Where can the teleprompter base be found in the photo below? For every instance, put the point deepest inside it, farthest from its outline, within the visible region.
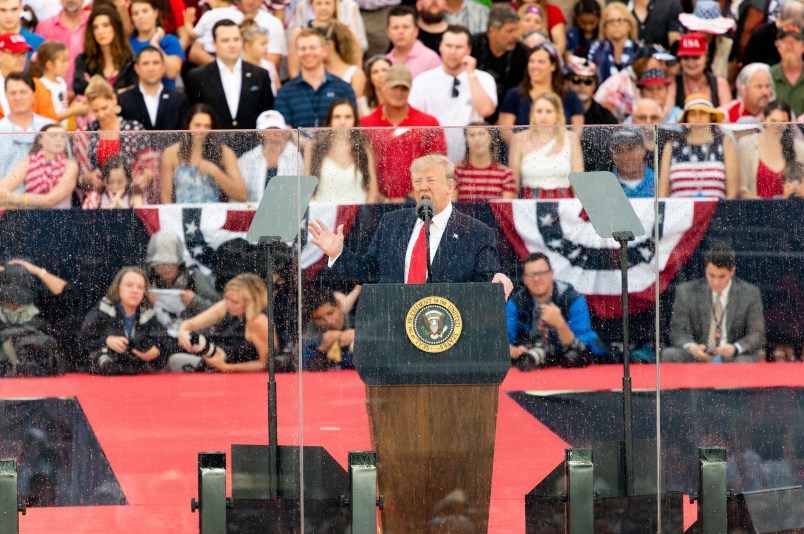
(326, 484)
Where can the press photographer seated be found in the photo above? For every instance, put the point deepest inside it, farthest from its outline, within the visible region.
(548, 321)
(237, 326)
(121, 334)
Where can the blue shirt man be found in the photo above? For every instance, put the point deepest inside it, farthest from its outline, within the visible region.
(304, 100)
(549, 321)
(628, 155)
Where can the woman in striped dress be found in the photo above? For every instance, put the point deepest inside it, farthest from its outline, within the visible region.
(704, 162)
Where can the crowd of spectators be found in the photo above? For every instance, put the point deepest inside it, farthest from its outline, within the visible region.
(688, 99)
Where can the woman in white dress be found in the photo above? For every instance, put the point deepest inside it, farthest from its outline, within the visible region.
(342, 159)
(543, 156)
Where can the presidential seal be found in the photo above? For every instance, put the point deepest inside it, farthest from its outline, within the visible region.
(433, 324)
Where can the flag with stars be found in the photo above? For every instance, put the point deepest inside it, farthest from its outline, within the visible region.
(205, 227)
(561, 230)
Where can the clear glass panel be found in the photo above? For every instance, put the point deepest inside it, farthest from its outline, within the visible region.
(465, 438)
(470, 438)
(729, 309)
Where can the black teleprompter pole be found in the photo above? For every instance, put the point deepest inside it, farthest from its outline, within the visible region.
(628, 435)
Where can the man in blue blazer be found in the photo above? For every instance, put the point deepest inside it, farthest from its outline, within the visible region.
(462, 249)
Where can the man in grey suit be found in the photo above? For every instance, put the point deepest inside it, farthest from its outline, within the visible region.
(718, 318)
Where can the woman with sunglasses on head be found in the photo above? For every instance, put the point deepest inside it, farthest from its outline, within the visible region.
(343, 56)
(374, 70)
(618, 47)
(543, 74)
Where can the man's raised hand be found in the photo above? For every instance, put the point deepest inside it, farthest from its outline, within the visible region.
(330, 243)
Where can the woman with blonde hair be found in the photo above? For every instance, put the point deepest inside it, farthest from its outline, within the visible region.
(318, 14)
(108, 135)
(619, 46)
(344, 56)
(543, 156)
(236, 331)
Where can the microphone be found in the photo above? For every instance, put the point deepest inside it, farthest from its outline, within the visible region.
(425, 209)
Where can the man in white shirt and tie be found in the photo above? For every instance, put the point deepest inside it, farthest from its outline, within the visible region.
(718, 318)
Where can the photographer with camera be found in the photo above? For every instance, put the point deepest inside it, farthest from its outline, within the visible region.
(121, 334)
(236, 331)
(548, 321)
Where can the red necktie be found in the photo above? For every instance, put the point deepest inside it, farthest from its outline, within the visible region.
(417, 272)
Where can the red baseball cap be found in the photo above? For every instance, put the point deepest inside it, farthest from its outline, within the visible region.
(14, 43)
(692, 44)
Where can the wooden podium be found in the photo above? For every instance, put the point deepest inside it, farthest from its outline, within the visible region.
(432, 357)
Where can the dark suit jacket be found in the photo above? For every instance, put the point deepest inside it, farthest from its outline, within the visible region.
(203, 84)
(169, 114)
(467, 251)
(692, 313)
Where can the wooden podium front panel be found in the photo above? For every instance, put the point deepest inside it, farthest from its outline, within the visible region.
(435, 451)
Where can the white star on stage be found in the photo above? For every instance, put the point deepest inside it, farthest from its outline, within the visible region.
(191, 228)
(574, 254)
(645, 251)
(197, 250)
(546, 220)
(554, 243)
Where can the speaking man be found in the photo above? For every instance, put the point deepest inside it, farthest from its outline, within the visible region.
(462, 249)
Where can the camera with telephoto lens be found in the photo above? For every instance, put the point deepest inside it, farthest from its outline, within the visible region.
(200, 345)
(536, 356)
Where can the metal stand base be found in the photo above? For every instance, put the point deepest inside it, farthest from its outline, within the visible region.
(10, 505)
(363, 499)
(212, 501)
(712, 491)
(580, 490)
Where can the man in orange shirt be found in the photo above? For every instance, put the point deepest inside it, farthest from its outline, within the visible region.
(13, 53)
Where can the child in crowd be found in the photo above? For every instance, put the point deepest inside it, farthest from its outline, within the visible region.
(221, 9)
(531, 19)
(52, 62)
(480, 175)
(586, 17)
(44, 179)
(255, 49)
(116, 178)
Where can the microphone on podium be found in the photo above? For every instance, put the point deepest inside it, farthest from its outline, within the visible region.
(424, 210)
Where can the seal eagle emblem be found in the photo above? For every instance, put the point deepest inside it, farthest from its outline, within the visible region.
(433, 324)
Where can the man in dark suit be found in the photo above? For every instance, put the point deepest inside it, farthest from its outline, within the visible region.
(149, 102)
(718, 318)
(238, 91)
(462, 249)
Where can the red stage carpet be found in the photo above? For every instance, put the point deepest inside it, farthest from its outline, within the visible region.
(152, 427)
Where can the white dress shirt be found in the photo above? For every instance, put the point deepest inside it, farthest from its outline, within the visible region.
(232, 81)
(437, 227)
(152, 102)
(439, 224)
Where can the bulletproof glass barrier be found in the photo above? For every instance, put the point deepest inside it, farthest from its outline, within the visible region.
(432, 406)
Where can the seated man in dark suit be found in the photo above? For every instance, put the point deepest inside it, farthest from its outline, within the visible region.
(462, 249)
(149, 102)
(238, 91)
(718, 318)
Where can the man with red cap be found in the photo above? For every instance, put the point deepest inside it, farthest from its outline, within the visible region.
(695, 77)
(13, 53)
(653, 84)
